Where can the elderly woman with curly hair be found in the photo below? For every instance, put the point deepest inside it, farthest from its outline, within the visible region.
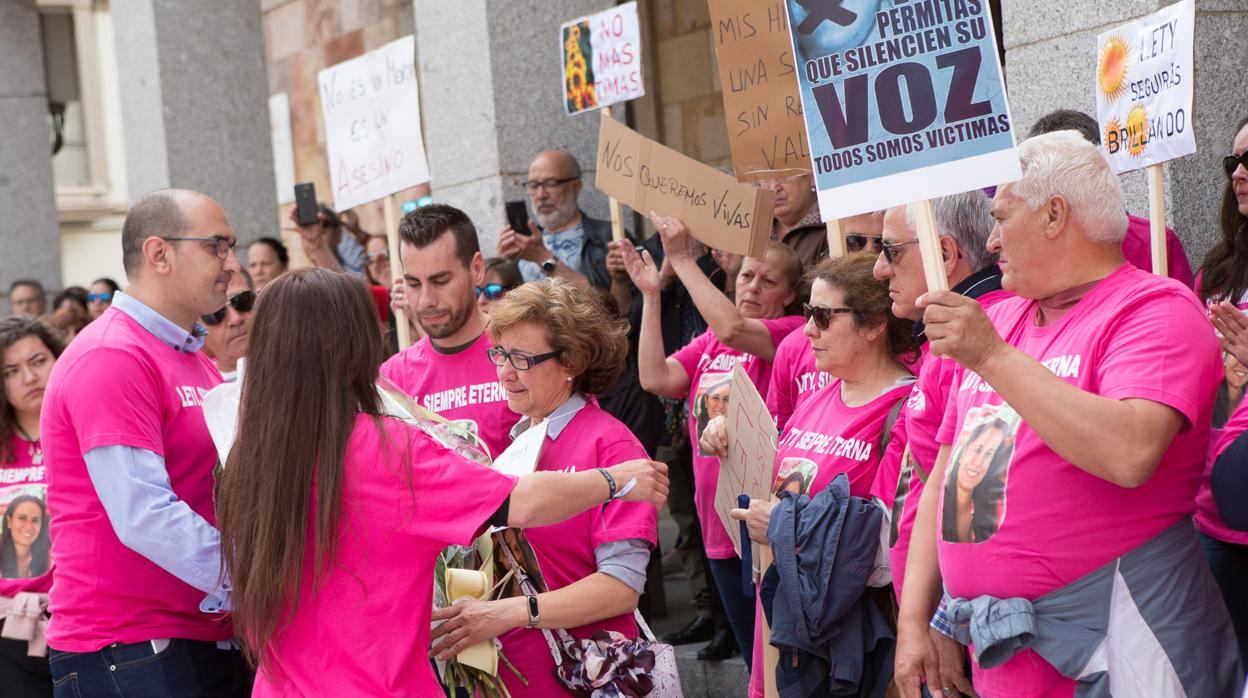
(555, 349)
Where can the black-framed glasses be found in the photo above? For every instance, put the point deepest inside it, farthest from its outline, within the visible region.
(1232, 162)
(856, 242)
(519, 360)
(241, 302)
(102, 297)
(492, 291)
(822, 314)
(892, 250)
(548, 184)
(222, 246)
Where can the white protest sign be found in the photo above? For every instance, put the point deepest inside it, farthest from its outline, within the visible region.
(601, 59)
(1144, 76)
(520, 458)
(283, 148)
(372, 124)
(751, 455)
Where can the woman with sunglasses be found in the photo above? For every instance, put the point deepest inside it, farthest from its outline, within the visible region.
(501, 275)
(332, 514)
(856, 339)
(226, 342)
(555, 349)
(101, 296)
(28, 351)
(744, 332)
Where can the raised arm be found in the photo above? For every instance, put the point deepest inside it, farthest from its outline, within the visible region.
(659, 374)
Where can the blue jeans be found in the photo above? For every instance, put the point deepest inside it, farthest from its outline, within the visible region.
(737, 606)
(136, 670)
(1229, 563)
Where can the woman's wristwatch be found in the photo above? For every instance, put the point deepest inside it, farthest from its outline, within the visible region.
(533, 615)
(548, 267)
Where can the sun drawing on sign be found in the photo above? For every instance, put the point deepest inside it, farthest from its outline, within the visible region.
(1137, 130)
(1111, 68)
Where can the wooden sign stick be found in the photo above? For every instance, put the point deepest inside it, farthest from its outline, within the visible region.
(1157, 219)
(836, 239)
(403, 331)
(617, 216)
(929, 245)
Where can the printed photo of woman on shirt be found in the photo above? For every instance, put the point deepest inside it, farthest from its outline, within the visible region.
(711, 400)
(974, 502)
(795, 475)
(24, 541)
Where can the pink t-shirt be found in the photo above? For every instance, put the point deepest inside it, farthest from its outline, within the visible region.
(827, 438)
(462, 387)
(924, 411)
(1208, 519)
(1137, 248)
(404, 499)
(24, 477)
(793, 376)
(118, 385)
(565, 551)
(709, 363)
(1033, 522)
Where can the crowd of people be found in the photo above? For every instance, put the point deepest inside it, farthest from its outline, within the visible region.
(1079, 418)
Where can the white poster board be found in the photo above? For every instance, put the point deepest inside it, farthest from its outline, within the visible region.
(1144, 75)
(372, 124)
(600, 58)
(283, 147)
(752, 440)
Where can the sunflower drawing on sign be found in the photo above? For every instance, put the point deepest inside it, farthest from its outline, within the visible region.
(578, 76)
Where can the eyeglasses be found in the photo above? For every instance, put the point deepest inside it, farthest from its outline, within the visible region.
(519, 360)
(241, 302)
(492, 291)
(548, 184)
(372, 258)
(855, 242)
(891, 250)
(821, 314)
(222, 245)
(1230, 163)
(102, 297)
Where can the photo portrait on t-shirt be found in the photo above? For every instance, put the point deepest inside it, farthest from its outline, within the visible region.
(25, 546)
(975, 482)
(795, 476)
(711, 401)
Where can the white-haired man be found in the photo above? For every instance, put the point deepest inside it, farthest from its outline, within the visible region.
(1072, 445)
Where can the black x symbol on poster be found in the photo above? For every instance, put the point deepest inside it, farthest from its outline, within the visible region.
(820, 11)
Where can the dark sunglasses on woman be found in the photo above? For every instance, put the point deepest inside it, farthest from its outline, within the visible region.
(1232, 162)
(492, 291)
(241, 302)
(103, 297)
(821, 314)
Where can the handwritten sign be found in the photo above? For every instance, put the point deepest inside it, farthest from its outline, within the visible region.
(751, 456)
(901, 105)
(372, 124)
(649, 176)
(601, 59)
(1144, 77)
(762, 103)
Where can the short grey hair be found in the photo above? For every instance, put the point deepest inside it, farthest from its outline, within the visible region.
(1063, 163)
(967, 218)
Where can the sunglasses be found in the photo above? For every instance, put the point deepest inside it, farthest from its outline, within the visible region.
(892, 251)
(519, 360)
(241, 302)
(855, 242)
(1230, 163)
(93, 297)
(492, 291)
(821, 314)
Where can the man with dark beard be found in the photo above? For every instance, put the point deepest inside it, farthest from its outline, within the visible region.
(448, 371)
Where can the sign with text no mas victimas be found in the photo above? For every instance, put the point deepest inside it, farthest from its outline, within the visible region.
(902, 102)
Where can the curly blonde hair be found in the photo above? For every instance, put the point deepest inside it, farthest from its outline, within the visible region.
(592, 345)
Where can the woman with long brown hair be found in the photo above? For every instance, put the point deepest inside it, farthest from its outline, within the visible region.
(332, 514)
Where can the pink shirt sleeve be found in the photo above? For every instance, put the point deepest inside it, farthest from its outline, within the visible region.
(454, 496)
(781, 327)
(116, 379)
(780, 388)
(689, 355)
(623, 520)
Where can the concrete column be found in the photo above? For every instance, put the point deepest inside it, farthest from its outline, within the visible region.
(194, 98)
(30, 236)
(490, 91)
(1050, 61)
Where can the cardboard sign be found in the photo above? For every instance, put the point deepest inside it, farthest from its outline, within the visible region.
(1144, 76)
(649, 176)
(601, 59)
(372, 124)
(752, 439)
(761, 101)
(901, 105)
